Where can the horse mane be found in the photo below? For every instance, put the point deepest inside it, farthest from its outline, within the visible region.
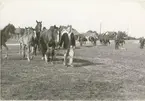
(5, 28)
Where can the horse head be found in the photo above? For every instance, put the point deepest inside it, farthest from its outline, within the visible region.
(55, 33)
(38, 26)
(12, 28)
(9, 30)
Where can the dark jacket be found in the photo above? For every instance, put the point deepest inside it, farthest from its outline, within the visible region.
(66, 42)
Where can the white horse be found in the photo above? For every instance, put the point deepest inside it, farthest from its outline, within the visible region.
(28, 43)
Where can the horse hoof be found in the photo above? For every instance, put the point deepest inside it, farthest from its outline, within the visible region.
(64, 64)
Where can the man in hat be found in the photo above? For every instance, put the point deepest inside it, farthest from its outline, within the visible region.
(68, 41)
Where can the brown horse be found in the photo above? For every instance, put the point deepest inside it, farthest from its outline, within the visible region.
(93, 39)
(6, 33)
(28, 43)
(38, 28)
(48, 42)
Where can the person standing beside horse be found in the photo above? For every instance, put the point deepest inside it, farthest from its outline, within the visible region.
(142, 42)
(68, 42)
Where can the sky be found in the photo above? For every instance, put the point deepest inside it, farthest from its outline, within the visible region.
(83, 15)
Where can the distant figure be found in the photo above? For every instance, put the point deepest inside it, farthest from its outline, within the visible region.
(119, 39)
(142, 42)
(68, 42)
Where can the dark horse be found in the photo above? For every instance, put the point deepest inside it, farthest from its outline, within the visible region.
(48, 42)
(93, 40)
(5, 34)
(142, 43)
(38, 31)
(104, 39)
(119, 41)
(82, 39)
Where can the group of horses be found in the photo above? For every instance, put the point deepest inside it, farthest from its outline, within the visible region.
(48, 40)
(35, 39)
(103, 38)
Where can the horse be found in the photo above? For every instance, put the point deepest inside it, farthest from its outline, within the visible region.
(82, 39)
(142, 43)
(28, 43)
(48, 42)
(38, 31)
(104, 39)
(93, 40)
(67, 39)
(6, 33)
(119, 41)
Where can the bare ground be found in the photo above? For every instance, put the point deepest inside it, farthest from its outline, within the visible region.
(99, 73)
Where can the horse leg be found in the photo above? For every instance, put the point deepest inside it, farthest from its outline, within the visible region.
(20, 49)
(35, 49)
(52, 53)
(23, 51)
(116, 45)
(28, 53)
(43, 50)
(32, 52)
(43, 54)
(6, 56)
(47, 54)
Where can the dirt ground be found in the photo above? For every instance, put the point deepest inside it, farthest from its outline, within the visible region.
(99, 73)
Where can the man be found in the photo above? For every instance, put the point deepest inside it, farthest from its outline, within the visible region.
(142, 42)
(68, 41)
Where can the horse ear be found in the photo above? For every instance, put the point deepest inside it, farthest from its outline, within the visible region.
(55, 26)
(36, 21)
(41, 22)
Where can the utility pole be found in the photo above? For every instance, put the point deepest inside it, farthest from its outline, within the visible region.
(100, 27)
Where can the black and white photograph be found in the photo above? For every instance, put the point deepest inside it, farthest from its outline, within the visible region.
(72, 50)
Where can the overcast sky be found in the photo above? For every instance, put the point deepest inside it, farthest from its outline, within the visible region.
(83, 15)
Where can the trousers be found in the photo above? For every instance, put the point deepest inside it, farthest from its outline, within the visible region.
(68, 53)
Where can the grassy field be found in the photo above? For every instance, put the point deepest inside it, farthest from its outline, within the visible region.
(99, 73)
